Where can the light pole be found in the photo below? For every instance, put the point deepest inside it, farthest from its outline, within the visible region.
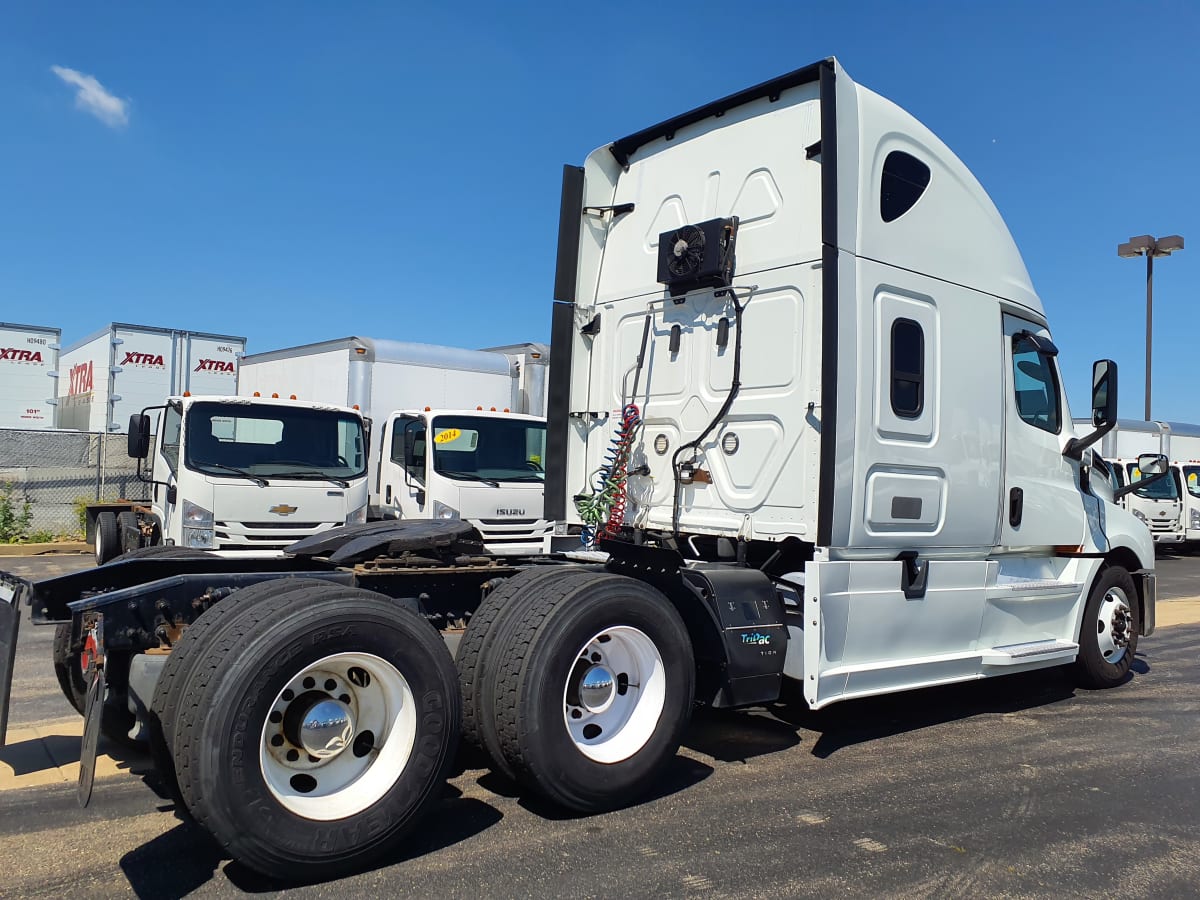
(1149, 247)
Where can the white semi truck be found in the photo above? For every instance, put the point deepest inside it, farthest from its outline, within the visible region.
(806, 413)
(235, 475)
(456, 434)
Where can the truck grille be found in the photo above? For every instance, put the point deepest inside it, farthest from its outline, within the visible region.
(264, 535)
(512, 536)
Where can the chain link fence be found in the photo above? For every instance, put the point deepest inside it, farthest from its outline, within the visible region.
(47, 476)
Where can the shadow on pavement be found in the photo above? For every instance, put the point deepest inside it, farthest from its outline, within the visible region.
(679, 775)
(739, 735)
(860, 721)
(174, 864)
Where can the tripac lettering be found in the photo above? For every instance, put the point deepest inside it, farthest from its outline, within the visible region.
(81, 378)
(143, 359)
(17, 355)
(214, 365)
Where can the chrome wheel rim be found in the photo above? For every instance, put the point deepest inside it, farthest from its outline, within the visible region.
(1114, 625)
(615, 694)
(337, 736)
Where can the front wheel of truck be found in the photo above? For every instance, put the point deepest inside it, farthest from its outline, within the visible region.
(328, 721)
(1108, 636)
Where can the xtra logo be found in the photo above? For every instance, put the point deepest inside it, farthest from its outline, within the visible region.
(214, 365)
(81, 378)
(143, 359)
(25, 356)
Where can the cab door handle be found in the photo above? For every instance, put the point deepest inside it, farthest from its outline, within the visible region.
(387, 495)
(1016, 503)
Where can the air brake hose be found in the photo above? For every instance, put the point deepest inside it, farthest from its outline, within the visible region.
(734, 387)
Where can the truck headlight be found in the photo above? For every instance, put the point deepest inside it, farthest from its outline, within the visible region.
(1141, 517)
(195, 516)
(442, 511)
(1195, 517)
(358, 516)
(197, 526)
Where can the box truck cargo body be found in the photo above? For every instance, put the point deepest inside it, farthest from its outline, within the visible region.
(380, 376)
(116, 372)
(486, 396)
(28, 354)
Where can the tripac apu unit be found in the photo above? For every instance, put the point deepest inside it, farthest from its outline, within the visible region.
(695, 256)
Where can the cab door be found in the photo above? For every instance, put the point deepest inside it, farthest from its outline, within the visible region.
(1042, 502)
(166, 466)
(402, 468)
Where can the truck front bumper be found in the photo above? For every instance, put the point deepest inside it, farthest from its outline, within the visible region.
(1149, 597)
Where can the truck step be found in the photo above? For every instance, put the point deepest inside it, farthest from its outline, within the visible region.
(1015, 654)
(1032, 590)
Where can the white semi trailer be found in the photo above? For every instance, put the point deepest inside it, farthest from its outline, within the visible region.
(109, 376)
(457, 434)
(28, 354)
(806, 409)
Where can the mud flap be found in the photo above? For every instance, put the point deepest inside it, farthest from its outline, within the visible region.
(10, 624)
(93, 711)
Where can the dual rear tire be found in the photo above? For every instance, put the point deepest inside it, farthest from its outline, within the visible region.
(309, 726)
(581, 686)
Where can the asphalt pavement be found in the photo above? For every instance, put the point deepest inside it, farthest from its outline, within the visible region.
(1017, 786)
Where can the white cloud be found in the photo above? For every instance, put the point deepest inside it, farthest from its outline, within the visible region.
(93, 98)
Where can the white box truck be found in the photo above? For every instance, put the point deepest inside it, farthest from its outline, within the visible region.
(1185, 458)
(28, 354)
(456, 433)
(237, 476)
(110, 375)
(1158, 505)
(792, 324)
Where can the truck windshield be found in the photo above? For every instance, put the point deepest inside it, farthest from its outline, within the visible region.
(1164, 489)
(481, 448)
(233, 440)
(1191, 478)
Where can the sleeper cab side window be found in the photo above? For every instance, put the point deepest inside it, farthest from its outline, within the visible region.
(1036, 385)
(904, 181)
(908, 369)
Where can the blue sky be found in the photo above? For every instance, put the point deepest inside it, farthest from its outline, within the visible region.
(295, 172)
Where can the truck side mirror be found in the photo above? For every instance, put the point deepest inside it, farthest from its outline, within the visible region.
(1104, 408)
(139, 436)
(1104, 392)
(1153, 466)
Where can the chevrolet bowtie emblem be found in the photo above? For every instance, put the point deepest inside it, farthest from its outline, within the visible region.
(283, 509)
